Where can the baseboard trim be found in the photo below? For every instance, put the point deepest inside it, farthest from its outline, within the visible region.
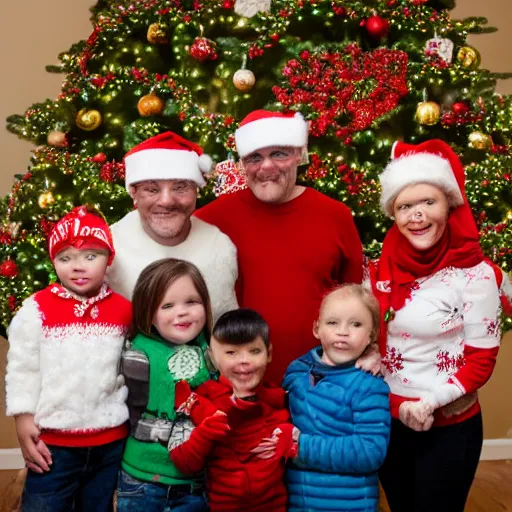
(11, 458)
(493, 449)
(496, 449)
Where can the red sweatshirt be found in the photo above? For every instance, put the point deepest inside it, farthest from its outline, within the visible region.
(289, 256)
(236, 479)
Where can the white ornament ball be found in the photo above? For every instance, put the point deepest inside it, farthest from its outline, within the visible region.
(244, 80)
(57, 139)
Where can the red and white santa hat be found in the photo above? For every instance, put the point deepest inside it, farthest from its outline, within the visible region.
(432, 162)
(82, 228)
(262, 129)
(166, 156)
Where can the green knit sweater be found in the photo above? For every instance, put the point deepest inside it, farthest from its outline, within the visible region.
(168, 364)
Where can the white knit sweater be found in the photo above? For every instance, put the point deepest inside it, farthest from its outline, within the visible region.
(63, 360)
(206, 247)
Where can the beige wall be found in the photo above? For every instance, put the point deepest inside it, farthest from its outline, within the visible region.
(32, 34)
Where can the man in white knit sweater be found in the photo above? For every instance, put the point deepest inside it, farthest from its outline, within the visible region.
(162, 176)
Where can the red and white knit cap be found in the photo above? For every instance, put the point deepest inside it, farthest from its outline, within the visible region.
(432, 162)
(262, 129)
(166, 156)
(81, 229)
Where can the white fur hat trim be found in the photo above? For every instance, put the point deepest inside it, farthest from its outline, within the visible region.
(271, 131)
(166, 164)
(411, 169)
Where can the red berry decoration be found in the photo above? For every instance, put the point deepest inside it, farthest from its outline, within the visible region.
(460, 108)
(339, 10)
(203, 49)
(99, 158)
(377, 27)
(12, 302)
(8, 268)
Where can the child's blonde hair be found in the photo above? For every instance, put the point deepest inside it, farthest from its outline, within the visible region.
(150, 289)
(367, 299)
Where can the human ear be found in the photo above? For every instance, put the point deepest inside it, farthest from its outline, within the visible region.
(212, 359)
(132, 191)
(315, 330)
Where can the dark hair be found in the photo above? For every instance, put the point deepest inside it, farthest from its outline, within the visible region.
(150, 289)
(241, 326)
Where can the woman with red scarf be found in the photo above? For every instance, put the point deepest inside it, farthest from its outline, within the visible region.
(440, 305)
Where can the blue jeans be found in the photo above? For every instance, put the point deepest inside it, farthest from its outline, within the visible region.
(80, 479)
(134, 495)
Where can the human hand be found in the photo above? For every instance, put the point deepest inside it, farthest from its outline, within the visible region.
(182, 394)
(190, 456)
(214, 427)
(187, 402)
(282, 443)
(35, 452)
(417, 415)
(370, 361)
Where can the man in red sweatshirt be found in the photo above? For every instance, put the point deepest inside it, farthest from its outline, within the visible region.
(294, 244)
(236, 417)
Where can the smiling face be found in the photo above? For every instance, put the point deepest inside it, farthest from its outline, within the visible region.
(243, 365)
(272, 172)
(181, 314)
(81, 271)
(421, 213)
(344, 328)
(165, 207)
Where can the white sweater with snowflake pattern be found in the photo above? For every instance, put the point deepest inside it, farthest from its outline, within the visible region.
(442, 345)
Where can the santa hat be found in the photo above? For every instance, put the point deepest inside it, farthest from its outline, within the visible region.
(432, 162)
(262, 129)
(82, 228)
(166, 156)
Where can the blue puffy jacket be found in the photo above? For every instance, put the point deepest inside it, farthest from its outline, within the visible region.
(343, 416)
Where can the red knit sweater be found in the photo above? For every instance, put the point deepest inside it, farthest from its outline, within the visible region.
(235, 478)
(289, 256)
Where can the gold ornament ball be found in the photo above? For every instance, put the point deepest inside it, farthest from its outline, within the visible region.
(56, 139)
(468, 57)
(88, 120)
(244, 80)
(479, 140)
(150, 105)
(428, 112)
(45, 200)
(156, 34)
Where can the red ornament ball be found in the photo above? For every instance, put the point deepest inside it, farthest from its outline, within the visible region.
(99, 158)
(8, 268)
(377, 27)
(203, 49)
(460, 107)
(339, 10)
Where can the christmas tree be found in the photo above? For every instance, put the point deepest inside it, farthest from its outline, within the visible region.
(363, 72)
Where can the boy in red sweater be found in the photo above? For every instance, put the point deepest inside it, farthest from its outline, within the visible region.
(240, 412)
(62, 381)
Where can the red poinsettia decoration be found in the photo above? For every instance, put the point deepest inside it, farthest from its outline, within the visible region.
(344, 92)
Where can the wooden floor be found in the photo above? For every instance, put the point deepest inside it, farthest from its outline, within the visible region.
(491, 491)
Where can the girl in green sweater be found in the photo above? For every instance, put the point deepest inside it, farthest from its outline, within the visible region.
(171, 322)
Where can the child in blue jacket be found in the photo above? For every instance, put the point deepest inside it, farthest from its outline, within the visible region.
(342, 412)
